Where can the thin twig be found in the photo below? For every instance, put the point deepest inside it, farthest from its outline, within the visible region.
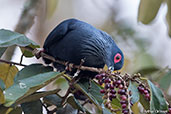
(21, 59)
(10, 62)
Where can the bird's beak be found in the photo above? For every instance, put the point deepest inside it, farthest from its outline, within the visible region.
(111, 68)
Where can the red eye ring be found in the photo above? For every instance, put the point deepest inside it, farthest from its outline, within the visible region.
(117, 58)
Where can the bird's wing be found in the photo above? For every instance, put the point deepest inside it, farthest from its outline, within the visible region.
(59, 32)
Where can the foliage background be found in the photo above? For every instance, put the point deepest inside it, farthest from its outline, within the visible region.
(145, 46)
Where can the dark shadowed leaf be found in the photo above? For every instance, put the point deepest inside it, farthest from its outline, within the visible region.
(31, 70)
(7, 73)
(53, 100)
(2, 50)
(148, 10)
(5, 110)
(157, 101)
(17, 110)
(135, 94)
(68, 109)
(75, 103)
(34, 107)
(27, 86)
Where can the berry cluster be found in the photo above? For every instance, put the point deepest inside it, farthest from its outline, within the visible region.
(113, 87)
(143, 90)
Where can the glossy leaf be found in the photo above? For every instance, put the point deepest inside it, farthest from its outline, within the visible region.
(168, 16)
(31, 70)
(134, 91)
(94, 90)
(7, 73)
(165, 81)
(34, 107)
(9, 38)
(148, 10)
(27, 86)
(157, 101)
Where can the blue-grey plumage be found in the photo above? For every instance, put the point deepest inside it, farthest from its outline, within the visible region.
(73, 40)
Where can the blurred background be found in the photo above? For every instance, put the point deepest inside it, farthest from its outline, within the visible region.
(147, 47)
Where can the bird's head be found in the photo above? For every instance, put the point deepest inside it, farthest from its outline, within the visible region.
(115, 58)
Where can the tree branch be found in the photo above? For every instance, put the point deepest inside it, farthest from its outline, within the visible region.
(39, 54)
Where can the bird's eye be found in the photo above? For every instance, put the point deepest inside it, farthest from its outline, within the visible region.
(117, 58)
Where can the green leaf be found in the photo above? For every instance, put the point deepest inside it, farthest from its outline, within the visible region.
(31, 70)
(2, 50)
(134, 91)
(37, 95)
(27, 86)
(157, 101)
(7, 73)
(168, 16)
(53, 100)
(165, 81)
(34, 107)
(148, 10)
(9, 38)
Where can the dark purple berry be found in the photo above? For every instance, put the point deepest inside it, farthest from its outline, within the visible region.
(145, 91)
(111, 86)
(107, 80)
(112, 91)
(107, 86)
(147, 96)
(98, 77)
(102, 91)
(121, 86)
(123, 97)
(118, 82)
(112, 96)
(124, 106)
(100, 82)
(123, 102)
(125, 111)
